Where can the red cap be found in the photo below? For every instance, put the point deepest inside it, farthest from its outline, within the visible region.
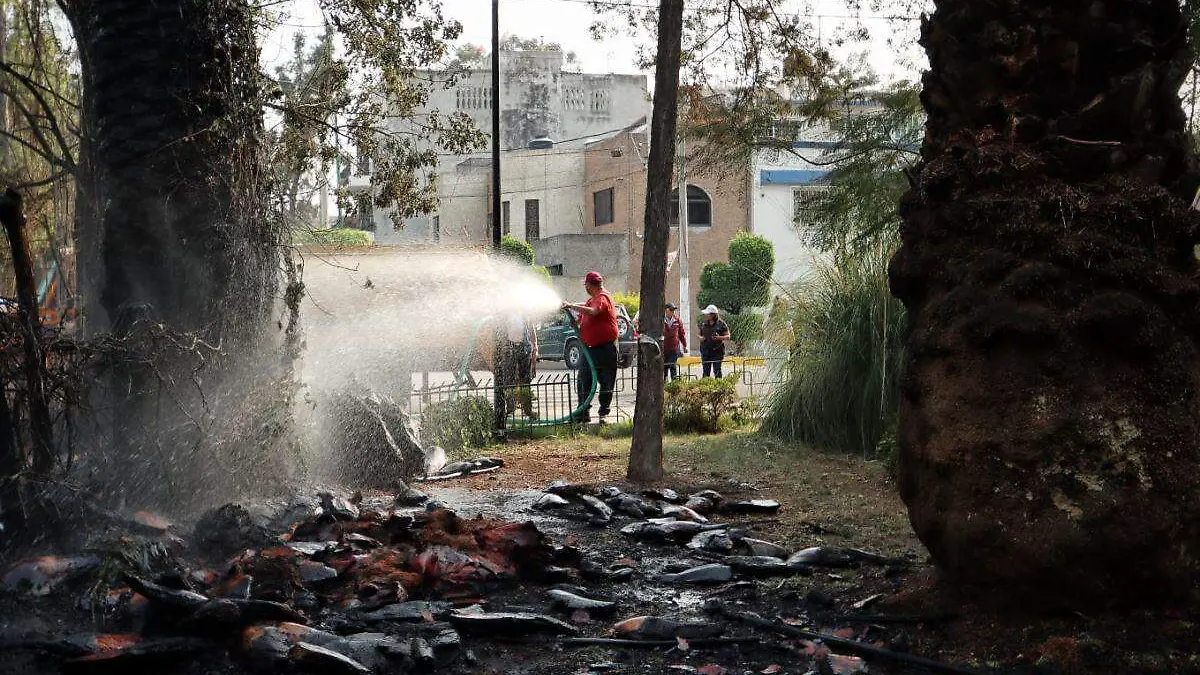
(593, 278)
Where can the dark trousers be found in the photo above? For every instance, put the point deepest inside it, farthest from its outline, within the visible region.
(712, 364)
(605, 358)
(514, 375)
(670, 365)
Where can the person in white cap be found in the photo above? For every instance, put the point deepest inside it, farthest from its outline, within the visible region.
(714, 333)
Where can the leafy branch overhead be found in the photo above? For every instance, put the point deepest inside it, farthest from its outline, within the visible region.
(856, 207)
(371, 78)
(765, 55)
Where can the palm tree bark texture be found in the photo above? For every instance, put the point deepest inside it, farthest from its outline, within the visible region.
(172, 220)
(1050, 407)
(172, 228)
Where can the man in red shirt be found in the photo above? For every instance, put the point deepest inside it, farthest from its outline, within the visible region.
(598, 332)
(674, 342)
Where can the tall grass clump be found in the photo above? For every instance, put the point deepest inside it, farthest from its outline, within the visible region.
(843, 333)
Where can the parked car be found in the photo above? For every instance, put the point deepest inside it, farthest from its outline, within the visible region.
(558, 340)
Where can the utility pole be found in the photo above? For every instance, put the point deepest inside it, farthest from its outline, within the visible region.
(685, 292)
(498, 398)
(496, 124)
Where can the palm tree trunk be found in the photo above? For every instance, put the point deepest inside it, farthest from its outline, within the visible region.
(171, 224)
(172, 127)
(1050, 408)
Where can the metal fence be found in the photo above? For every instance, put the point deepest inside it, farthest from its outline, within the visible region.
(551, 398)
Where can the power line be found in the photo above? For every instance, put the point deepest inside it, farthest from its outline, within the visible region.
(712, 10)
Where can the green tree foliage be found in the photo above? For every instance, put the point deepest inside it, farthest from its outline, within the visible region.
(631, 301)
(756, 49)
(366, 96)
(857, 208)
(740, 284)
(517, 249)
(743, 282)
(522, 252)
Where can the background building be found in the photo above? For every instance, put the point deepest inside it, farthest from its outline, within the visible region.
(539, 100)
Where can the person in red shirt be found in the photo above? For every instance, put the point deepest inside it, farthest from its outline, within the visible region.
(674, 342)
(598, 332)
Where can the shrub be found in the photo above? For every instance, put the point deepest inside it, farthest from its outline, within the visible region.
(342, 237)
(745, 281)
(841, 386)
(517, 249)
(888, 451)
(458, 423)
(699, 404)
(747, 412)
(744, 329)
(632, 302)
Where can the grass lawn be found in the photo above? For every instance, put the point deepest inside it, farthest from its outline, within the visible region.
(827, 498)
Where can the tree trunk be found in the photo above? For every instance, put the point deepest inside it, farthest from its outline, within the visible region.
(171, 212)
(645, 453)
(171, 226)
(1049, 409)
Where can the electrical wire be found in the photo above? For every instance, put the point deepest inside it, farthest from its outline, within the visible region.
(712, 10)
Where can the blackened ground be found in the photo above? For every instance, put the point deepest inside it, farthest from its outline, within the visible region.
(827, 500)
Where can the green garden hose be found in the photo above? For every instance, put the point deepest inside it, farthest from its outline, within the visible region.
(463, 376)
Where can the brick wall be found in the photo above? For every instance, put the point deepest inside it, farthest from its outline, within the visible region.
(626, 175)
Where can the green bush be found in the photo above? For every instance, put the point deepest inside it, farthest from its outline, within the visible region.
(343, 237)
(747, 412)
(744, 329)
(745, 281)
(888, 451)
(458, 423)
(699, 404)
(841, 389)
(517, 249)
(632, 302)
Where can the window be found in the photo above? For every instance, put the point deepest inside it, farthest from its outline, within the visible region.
(699, 207)
(504, 213)
(603, 203)
(803, 201)
(363, 163)
(437, 228)
(532, 224)
(601, 101)
(555, 270)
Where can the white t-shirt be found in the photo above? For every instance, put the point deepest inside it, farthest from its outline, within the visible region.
(516, 331)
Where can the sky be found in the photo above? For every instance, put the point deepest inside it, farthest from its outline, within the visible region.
(567, 22)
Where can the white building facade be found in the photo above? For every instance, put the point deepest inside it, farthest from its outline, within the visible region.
(539, 100)
(783, 186)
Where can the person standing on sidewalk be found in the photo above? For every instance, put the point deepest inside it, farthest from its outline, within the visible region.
(714, 333)
(598, 332)
(674, 342)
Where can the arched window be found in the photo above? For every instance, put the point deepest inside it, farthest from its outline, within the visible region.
(699, 207)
